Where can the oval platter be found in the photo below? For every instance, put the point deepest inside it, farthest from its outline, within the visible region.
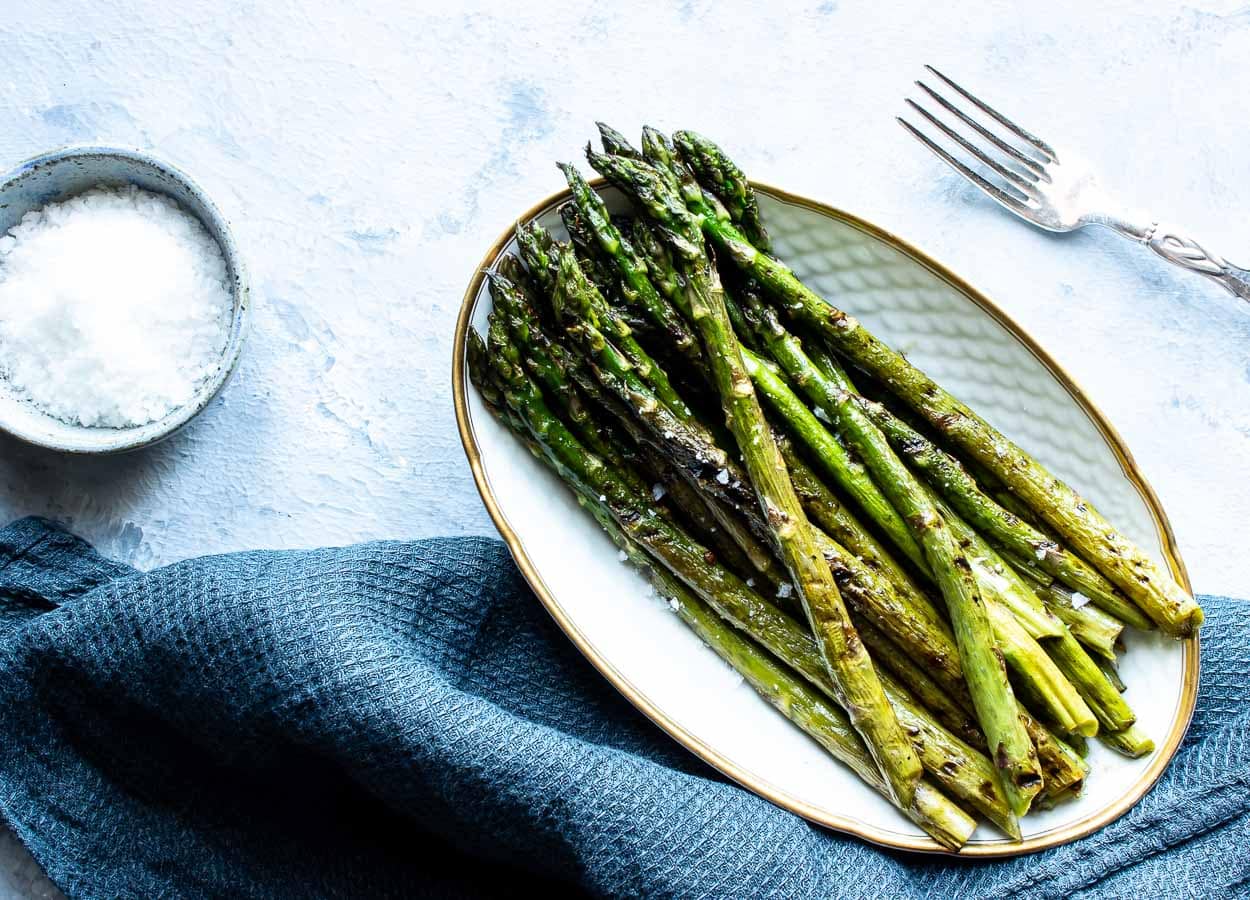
(958, 336)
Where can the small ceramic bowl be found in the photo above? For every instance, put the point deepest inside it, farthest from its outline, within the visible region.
(61, 174)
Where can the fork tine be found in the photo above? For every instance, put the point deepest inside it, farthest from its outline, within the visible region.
(1036, 142)
(1032, 165)
(997, 193)
(1015, 179)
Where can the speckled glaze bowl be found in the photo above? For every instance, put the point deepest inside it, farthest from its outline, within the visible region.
(61, 174)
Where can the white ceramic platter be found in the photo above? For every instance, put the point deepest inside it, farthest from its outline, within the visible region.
(961, 339)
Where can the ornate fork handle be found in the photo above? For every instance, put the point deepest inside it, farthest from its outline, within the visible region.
(1189, 254)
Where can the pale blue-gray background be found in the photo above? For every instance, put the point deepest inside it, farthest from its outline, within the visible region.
(368, 155)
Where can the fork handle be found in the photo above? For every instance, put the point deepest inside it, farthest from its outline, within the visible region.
(1189, 254)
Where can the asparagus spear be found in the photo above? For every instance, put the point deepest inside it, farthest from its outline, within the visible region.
(511, 268)
(660, 152)
(615, 142)
(845, 470)
(658, 261)
(767, 568)
(1079, 694)
(987, 481)
(729, 496)
(1061, 768)
(1099, 631)
(843, 525)
(1080, 674)
(824, 508)
(999, 580)
(956, 766)
(827, 385)
(702, 521)
(1014, 536)
(836, 520)
(1073, 658)
(943, 551)
(595, 309)
(593, 314)
(1108, 669)
(1101, 696)
(537, 250)
(576, 302)
(1043, 684)
(597, 267)
(881, 591)
(1091, 626)
(720, 175)
(1079, 743)
(843, 652)
(884, 596)
(660, 422)
(725, 521)
(1131, 742)
(548, 363)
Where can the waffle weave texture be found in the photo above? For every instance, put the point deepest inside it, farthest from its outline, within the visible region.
(403, 719)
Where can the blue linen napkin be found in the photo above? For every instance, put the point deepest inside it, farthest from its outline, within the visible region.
(404, 719)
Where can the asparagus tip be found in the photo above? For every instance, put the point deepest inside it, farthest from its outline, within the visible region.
(616, 143)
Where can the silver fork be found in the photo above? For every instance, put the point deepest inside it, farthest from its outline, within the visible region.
(1025, 174)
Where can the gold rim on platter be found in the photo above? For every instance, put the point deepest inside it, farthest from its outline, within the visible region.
(881, 836)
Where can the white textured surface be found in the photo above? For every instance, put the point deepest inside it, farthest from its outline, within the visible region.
(367, 160)
(975, 357)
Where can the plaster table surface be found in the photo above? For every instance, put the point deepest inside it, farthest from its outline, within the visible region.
(368, 156)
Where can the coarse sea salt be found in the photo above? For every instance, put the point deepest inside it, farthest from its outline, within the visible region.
(115, 307)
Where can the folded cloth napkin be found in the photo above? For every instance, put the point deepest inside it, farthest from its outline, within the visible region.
(404, 719)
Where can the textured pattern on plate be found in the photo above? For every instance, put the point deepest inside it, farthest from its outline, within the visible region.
(650, 655)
